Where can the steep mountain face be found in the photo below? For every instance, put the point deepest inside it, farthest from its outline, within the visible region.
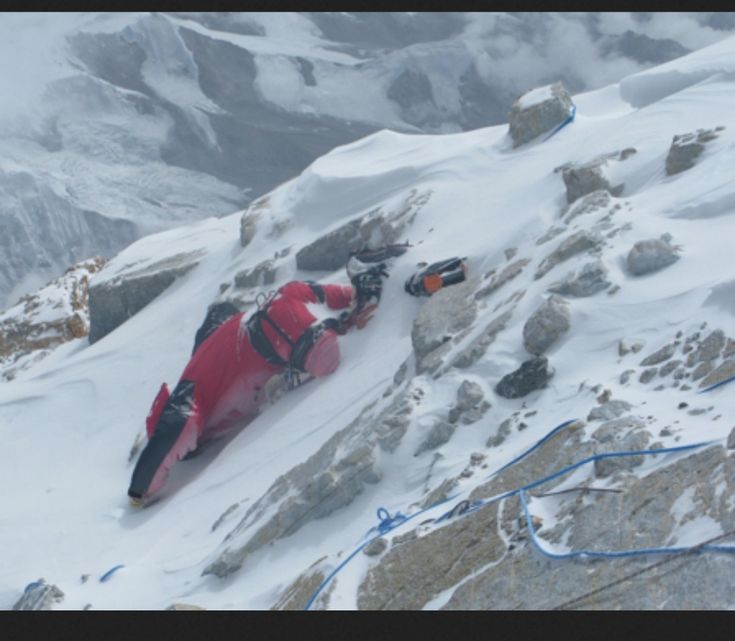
(136, 123)
(550, 433)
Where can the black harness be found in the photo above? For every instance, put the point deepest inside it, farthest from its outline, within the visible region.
(299, 348)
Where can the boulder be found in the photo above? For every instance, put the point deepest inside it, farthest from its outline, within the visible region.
(546, 325)
(438, 435)
(724, 371)
(114, 299)
(709, 349)
(648, 256)
(577, 243)
(441, 318)
(588, 177)
(660, 355)
(376, 228)
(608, 411)
(592, 278)
(498, 280)
(538, 111)
(686, 148)
(533, 374)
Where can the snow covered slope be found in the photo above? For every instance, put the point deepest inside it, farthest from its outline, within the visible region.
(115, 125)
(69, 422)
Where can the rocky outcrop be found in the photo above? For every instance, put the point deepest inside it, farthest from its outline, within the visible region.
(592, 278)
(546, 325)
(538, 111)
(586, 178)
(115, 298)
(686, 148)
(477, 347)
(532, 375)
(374, 229)
(594, 201)
(327, 481)
(578, 242)
(648, 256)
(39, 595)
(42, 321)
(445, 315)
(498, 280)
(262, 274)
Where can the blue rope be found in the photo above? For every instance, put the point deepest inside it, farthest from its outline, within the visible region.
(389, 523)
(110, 572)
(564, 123)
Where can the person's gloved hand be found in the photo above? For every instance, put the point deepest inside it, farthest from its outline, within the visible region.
(369, 285)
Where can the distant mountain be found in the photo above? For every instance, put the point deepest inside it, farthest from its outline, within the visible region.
(118, 125)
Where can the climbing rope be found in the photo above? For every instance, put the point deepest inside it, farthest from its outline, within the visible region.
(564, 123)
(388, 522)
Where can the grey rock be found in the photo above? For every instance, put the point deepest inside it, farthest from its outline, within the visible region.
(594, 201)
(610, 410)
(577, 243)
(297, 595)
(500, 434)
(439, 493)
(724, 371)
(498, 280)
(686, 148)
(438, 435)
(625, 376)
(546, 325)
(262, 274)
(615, 430)
(551, 233)
(669, 367)
(635, 440)
(528, 123)
(731, 440)
(648, 256)
(709, 349)
(469, 394)
(586, 178)
(532, 375)
(702, 370)
(115, 299)
(660, 355)
(443, 316)
(376, 547)
(376, 228)
(590, 280)
(476, 349)
(250, 219)
(648, 374)
(39, 595)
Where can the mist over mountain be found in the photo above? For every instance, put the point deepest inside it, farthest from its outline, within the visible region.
(113, 126)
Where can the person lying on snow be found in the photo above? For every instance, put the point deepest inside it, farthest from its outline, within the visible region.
(223, 385)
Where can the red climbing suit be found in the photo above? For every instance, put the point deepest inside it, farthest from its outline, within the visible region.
(223, 383)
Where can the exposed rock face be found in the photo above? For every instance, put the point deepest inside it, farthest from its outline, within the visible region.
(686, 148)
(442, 317)
(644, 517)
(610, 410)
(594, 201)
(498, 280)
(651, 255)
(262, 274)
(578, 242)
(588, 177)
(115, 299)
(709, 349)
(39, 595)
(538, 111)
(374, 229)
(722, 373)
(42, 321)
(660, 355)
(469, 355)
(546, 325)
(531, 375)
(327, 481)
(592, 278)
